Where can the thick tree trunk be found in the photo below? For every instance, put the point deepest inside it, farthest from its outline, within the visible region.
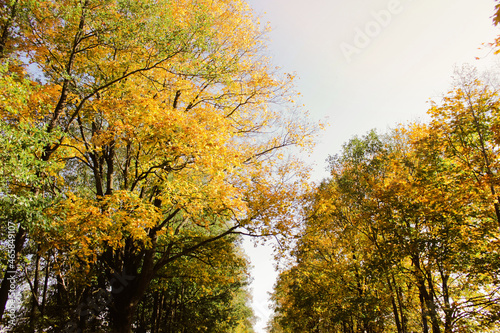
(123, 319)
(127, 290)
(122, 310)
(129, 286)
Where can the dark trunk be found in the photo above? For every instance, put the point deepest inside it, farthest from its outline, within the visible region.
(44, 292)
(432, 306)
(123, 319)
(423, 309)
(127, 290)
(122, 311)
(34, 295)
(404, 320)
(5, 34)
(394, 307)
(448, 311)
(422, 294)
(426, 299)
(137, 270)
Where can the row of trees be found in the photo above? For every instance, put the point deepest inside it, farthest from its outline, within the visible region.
(139, 140)
(405, 235)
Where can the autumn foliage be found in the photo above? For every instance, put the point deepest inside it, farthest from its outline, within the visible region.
(153, 131)
(404, 236)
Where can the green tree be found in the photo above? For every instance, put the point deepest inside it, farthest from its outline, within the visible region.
(26, 180)
(202, 292)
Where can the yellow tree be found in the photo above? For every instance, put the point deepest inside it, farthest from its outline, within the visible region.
(398, 239)
(173, 127)
(468, 123)
(442, 230)
(339, 281)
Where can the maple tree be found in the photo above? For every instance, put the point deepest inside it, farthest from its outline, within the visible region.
(167, 127)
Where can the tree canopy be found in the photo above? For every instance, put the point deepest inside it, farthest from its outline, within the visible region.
(404, 236)
(141, 137)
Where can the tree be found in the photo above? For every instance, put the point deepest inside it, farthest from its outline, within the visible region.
(25, 178)
(397, 239)
(202, 292)
(468, 122)
(166, 133)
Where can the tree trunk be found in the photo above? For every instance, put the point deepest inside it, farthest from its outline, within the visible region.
(394, 307)
(448, 311)
(422, 293)
(404, 320)
(45, 286)
(432, 307)
(426, 300)
(123, 320)
(34, 295)
(423, 309)
(122, 311)
(127, 290)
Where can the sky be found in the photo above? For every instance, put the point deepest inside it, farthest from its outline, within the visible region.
(365, 64)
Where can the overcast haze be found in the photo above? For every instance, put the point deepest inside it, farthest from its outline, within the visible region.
(366, 64)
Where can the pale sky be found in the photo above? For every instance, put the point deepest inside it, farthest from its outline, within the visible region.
(366, 64)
